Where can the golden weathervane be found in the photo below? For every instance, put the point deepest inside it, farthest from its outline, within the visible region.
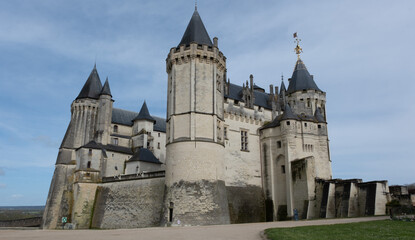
(298, 50)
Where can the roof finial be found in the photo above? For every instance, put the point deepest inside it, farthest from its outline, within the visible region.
(95, 65)
(282, 77)
(195, 5)
(298, 49)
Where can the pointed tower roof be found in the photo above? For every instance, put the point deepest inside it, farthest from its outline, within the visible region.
(106, 88)
(196, 32)
(92, 87)
(288, 113)
(318, 116)
(144, 114)
(301, 79)
(282, 88)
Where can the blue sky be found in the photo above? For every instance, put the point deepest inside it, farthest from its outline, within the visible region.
(360, 53)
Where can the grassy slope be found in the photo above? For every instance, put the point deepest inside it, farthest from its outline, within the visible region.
(378, 230)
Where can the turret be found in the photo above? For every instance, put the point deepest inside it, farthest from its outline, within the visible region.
(84, 108)
(104, 114)
(196, 74)
(142, 129)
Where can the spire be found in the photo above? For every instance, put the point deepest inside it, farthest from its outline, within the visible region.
(92, 87)
(144, 114)
(318, 116)
(282, 88)
(301, 79)
(196, 31)
(106, 88)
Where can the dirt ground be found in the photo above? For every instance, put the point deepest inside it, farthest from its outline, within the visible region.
(251, 231)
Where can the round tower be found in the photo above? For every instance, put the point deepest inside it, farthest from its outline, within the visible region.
(195, 188)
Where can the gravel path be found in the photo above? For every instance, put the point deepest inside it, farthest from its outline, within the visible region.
(249, 231)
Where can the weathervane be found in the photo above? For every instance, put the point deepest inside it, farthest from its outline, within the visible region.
(298, 49)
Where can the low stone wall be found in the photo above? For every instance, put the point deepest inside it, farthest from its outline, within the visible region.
(246, 204)
(129, 204)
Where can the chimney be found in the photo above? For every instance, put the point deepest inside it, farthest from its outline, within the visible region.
(251, 81)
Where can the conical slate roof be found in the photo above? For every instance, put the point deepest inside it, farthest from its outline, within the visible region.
(196, 32)
(106, 88)
(144, 114)
(288, 113)
(92, 87)
(319, 117)
(301, 79)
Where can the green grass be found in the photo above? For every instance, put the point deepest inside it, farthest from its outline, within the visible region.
(378, 230)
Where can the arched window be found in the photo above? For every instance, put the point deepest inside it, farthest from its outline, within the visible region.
(115, 128)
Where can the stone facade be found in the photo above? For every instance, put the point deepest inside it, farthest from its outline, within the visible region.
(224, 154)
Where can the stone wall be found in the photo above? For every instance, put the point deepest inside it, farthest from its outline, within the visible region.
(60, 197)
(200, 202)
(84, 196)
(246, 204)
(129, 204)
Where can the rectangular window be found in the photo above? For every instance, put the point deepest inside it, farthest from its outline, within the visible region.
(90, 152)
(279, 145)
(225, 132)
(319, 126)
(244, 140)
(288, 123)
(283, 168)
(305, 124)
(159, 134)
(114, 141)
(158, 145)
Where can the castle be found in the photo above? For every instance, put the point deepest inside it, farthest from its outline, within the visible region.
(224, 154)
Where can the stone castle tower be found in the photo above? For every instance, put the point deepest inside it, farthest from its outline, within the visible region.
(195, 187)
(298, 141)
(90, 124)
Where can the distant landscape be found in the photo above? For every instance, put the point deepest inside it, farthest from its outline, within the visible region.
(20, 212)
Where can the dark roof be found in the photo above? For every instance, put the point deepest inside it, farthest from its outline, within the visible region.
(92, 87)
(261, 98)
(114, 148)
(124, 117)
(256, 87)
(318, 116)
(196, 32)
(106, 88)
(301, 79)
(144, 155)
(288, 114)
(144, 114)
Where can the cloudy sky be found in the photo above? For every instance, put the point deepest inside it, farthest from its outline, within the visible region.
(360, 53)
